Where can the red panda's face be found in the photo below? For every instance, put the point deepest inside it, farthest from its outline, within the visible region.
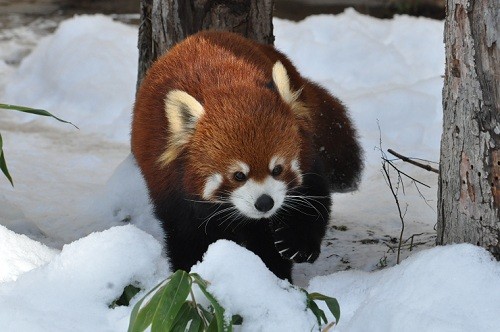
(242, 144)
(255, 197)
(255, 190)
(245, 151)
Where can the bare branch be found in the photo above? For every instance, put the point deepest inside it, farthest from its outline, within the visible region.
(413, 162)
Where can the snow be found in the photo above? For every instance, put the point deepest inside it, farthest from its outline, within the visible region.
(20, 254)
(243, 285)
(78, 226)
(69, 62)
(452, 288)
(73, 290)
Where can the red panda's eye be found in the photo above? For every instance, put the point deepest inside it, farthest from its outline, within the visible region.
(277, 170)
(239, 176)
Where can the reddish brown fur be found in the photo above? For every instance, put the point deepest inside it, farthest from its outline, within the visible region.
(335, 138)
(224, 129)
(219, 81)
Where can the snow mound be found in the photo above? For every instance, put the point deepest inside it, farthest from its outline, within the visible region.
(84, 73)
(124, 199)
(73, 291)
(243, 285)
(451, 288)
(20, 254)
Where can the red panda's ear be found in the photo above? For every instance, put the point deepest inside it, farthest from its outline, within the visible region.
(282, 83)
(182, 112)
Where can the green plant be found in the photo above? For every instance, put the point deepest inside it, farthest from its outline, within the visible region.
(124, 300)
(331, 303)
(3, 163)
(382, 262)
(168, 308)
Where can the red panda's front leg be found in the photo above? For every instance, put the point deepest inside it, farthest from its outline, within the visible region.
(301, 226)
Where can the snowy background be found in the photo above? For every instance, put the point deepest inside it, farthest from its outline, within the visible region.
(62, 261)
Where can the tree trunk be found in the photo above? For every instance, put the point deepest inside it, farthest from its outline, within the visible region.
(469, 193)
(166, 22)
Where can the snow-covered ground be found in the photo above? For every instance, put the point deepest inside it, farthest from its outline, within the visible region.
(69, 183)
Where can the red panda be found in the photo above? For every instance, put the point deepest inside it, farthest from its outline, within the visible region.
(234, 144)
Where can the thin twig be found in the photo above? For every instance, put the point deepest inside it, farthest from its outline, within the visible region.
(401, 215)
(413, 162)
(401, 172)
(391, 248)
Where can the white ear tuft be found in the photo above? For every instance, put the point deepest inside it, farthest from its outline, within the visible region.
(282, 82)
(182, 110)
(183, 113)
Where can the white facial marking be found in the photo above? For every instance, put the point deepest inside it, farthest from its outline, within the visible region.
(240, 166)
(276, 161)
(213, 183)
(295, 167)
(244, 197)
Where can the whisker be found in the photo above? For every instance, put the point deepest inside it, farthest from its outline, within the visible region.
(290, 206)
(304, 201)
(204, 201)
(214, 214)
(229, 217)
(311, 197)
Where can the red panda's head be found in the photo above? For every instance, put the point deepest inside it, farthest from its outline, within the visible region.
(242, 146)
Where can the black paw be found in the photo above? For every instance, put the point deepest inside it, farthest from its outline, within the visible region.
(293, 244)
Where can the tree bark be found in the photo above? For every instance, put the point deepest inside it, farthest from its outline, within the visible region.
(469, 193)
(166, 22)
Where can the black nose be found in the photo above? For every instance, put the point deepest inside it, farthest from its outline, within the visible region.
(264, 203)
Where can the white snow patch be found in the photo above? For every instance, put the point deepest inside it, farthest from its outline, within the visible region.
(124, 199)
(243, 285)
(451, 288)
(72, 291)
(85, 73)
(20, 254)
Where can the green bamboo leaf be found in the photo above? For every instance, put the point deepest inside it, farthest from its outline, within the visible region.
(196, 324)
(184, 316)
(331, 303)
(334, 307)
(205, 314)
(134, 325)
(222, 324)
(320, 314)
(173, 296)
(213, 326)
(148, 312)
(33, 111)
(139, 319)
(3, 163)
